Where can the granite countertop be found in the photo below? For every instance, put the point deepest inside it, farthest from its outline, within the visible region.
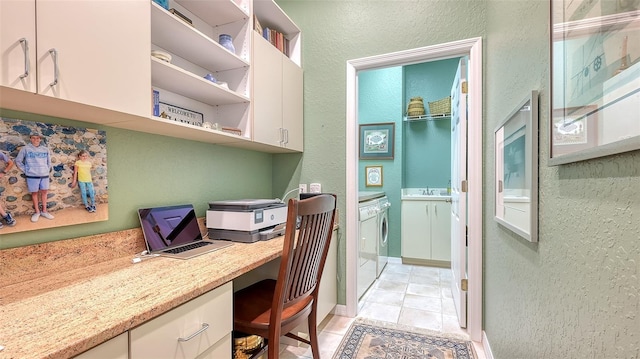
(57, 303)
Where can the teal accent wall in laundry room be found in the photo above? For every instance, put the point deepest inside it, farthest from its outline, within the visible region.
(427, 143)
(380, 101)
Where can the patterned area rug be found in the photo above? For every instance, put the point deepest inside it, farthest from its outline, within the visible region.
(368, 339)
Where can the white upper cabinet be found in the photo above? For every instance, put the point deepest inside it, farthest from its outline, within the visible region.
(18, 45)
(277, 81)
(92, 61)
(85, 52)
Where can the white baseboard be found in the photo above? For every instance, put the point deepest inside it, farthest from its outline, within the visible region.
(485, 345)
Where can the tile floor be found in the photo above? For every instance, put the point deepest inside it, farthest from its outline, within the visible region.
(405, 294)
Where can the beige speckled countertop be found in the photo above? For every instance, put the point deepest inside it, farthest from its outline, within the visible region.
(62, 298)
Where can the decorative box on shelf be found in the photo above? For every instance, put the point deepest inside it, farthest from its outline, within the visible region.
(179, 114)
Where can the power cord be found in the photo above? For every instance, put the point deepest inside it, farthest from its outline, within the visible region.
(286, 194)
(143, 256)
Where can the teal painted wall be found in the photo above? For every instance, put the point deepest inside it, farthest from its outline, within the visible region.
(427, 144)
(380, 101)
(150, 170)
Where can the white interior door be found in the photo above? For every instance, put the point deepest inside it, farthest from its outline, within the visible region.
(458, 193)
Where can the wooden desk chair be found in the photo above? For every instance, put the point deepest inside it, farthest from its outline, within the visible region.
(272, 308)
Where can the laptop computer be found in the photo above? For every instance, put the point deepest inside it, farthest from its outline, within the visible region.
(173, 231)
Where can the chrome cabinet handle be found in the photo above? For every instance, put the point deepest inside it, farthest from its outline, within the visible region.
(286, 136)
(25, 49)
(281, 135)
(205, 326)
(54, 55)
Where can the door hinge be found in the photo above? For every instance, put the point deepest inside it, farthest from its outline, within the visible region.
(463, 87)
(464, 284)
(463, 186)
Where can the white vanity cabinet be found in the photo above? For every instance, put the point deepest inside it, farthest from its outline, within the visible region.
(426, 231)
(199, 328)
(86, 52)
(277, 99)
(116, 348)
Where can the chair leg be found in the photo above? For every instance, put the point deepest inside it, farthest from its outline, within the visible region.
(313, 335)
(273, 348)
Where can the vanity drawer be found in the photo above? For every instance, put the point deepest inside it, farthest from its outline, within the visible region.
(188, 330)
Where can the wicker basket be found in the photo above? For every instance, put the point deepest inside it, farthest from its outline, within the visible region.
(441, 106)
(416, 107)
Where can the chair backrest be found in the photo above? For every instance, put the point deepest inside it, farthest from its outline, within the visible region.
(305, 250)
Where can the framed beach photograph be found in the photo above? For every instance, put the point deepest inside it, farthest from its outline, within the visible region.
(373, 176)
(595, 79)
(377, 141)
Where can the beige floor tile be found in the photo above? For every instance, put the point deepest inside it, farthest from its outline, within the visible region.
(431, 304)
(391, 286)
(424, 290)
(386, 297)
(377, 311)
(421, 319)
(337, 324)
(395, 277)
(424, 279)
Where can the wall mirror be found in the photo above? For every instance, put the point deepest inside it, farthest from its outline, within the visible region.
(595, 75)
(516, 161)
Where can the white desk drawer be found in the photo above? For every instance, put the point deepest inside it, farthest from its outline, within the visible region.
(188, 330)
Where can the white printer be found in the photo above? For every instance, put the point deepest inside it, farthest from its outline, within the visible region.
(246, 220)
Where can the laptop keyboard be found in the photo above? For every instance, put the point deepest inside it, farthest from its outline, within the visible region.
(187, 247)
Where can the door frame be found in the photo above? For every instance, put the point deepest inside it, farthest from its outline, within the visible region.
(473, 49)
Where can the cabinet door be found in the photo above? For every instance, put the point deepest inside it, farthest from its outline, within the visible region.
(267, 92)
(116, 348)
(292, 106)
(416, 229)
(441, 231)
(102, 49)
(18, 21)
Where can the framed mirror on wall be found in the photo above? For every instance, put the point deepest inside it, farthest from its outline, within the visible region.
(516, 162)
(595, 76)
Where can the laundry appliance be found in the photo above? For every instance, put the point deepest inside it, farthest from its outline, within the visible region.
(383, 234)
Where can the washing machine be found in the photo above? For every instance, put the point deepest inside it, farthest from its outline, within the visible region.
(367, 241)
(383, 234)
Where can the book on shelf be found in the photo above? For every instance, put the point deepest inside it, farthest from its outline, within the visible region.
(256, 24)
(276, 39)
(156, 103)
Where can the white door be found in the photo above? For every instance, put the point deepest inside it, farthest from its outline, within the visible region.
(458, 195)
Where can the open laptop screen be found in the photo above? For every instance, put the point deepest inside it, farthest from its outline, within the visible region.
(169, 226)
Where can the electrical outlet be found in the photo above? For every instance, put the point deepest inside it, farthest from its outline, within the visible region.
(302, 188)
(315, 188)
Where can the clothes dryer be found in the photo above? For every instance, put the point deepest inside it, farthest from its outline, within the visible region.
(367, 245)
(383, 234)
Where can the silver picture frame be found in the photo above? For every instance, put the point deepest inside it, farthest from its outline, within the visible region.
(516, 169)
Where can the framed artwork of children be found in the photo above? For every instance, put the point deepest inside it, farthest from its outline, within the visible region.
(51, 175)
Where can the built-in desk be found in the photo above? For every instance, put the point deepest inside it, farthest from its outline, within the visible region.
(62, 313)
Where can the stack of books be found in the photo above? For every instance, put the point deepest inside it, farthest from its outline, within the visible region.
(275, 37)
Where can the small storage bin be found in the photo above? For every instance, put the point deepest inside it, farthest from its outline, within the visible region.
(440, 107)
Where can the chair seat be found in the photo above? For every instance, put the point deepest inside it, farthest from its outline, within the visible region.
(252, 306)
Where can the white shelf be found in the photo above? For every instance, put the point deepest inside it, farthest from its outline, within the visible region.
(176, 36)
(271, 15)
(216, 12)
(445, 116)
(175, 79)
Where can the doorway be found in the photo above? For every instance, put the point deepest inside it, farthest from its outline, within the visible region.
(472, 48)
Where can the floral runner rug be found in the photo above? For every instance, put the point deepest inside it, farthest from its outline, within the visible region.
(369, 339)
